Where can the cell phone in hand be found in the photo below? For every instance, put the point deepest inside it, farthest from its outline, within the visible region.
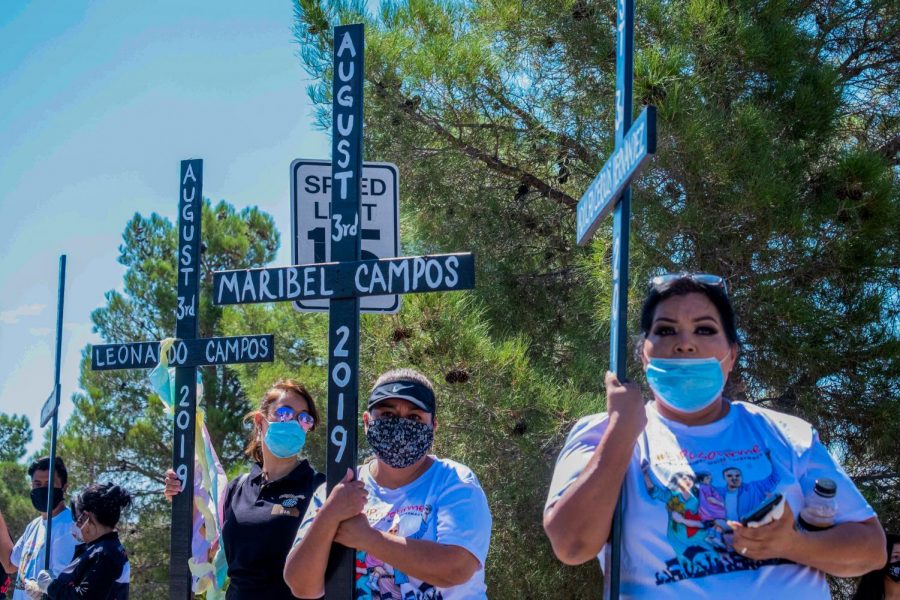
(762, 510)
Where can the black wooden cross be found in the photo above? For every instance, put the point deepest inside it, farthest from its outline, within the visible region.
(344, 281)
(186, 354)
(611, 190)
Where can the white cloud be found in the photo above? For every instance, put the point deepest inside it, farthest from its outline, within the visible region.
(12, 316)
(40, 331)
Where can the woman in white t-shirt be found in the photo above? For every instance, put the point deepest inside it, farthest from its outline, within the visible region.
(691, 445)
(420, 524)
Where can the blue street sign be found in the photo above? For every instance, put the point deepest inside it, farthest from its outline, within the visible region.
(626, 161)
(49, 407)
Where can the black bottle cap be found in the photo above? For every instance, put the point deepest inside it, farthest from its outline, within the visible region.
(826, 488)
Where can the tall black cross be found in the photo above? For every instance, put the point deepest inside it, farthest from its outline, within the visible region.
(611, 190)
(186, 354)
(344, 281)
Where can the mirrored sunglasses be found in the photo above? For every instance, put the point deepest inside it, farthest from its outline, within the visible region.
(701, 278)
(285, 414)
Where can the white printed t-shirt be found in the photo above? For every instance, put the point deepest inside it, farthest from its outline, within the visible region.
(445, 504)
(28, 553)
(676, 543)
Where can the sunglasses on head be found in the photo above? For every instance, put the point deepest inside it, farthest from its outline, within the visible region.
(701, 278)
(285, 414)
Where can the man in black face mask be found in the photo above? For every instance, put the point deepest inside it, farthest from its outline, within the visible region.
(25, 558)
(421, 524)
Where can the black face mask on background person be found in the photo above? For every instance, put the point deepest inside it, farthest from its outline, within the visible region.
(39, 498)
(893, 571)
(399, 442)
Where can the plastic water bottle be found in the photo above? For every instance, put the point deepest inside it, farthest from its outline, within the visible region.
(821, 506)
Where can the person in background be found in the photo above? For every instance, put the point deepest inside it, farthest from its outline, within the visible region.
(263, 508)
(100, 569)
(883, 584)
(688, 347)
(420, 524)
(25, 559)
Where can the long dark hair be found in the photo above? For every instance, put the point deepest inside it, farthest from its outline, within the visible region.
(871, 585)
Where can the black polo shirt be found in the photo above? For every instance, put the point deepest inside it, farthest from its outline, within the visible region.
(261, 520)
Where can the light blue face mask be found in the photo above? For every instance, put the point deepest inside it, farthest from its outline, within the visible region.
(687, 385)
(285, 440)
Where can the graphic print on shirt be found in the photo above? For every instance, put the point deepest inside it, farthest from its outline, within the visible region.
(287, 505)
(377, 580)
(29, 557)
(700, 493)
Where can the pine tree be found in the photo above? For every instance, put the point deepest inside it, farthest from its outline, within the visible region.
(15, 434)
(776, 168)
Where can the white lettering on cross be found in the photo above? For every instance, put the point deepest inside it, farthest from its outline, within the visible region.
(346, 44)
(345, 96)
(343, 147)
(189, 174)
(229, 282)
(341, 74)
(248, 287)
(361, 270)
(344, 130)
(400, 269)
(343, 176)
(293, 287)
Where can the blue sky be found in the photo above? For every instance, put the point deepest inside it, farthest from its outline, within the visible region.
(99, 102)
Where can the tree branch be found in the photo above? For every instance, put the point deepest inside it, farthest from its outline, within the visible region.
(881, 477)
(534, 123)
(890, 150)
(492, 162)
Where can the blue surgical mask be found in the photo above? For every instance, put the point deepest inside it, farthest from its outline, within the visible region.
(285, 440)
(687, 385)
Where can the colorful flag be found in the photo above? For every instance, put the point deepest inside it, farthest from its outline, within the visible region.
(207, 563)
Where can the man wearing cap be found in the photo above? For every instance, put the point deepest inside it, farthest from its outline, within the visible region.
(420, 524)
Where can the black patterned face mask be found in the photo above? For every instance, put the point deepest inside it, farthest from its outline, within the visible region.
(893, 571)
(399, 442)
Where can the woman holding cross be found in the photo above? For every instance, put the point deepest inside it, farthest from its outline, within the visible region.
(263, 507)
(749, 458)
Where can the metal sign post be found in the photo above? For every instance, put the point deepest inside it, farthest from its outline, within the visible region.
(50, 409)
(611, 190)
(186, 354)
(343, 281)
